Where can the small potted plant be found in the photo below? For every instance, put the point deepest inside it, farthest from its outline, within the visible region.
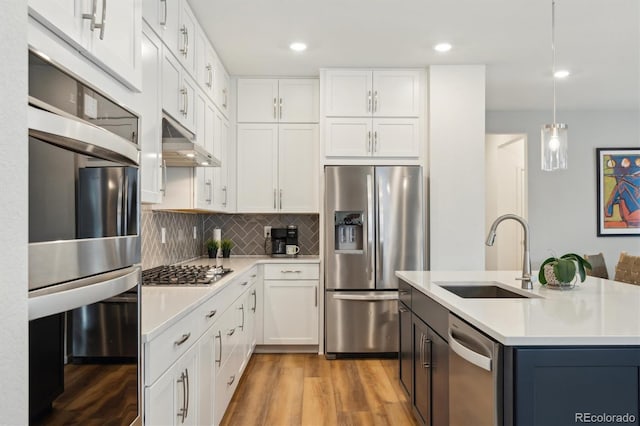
(212, 247)
(226, 245)
(560, 272)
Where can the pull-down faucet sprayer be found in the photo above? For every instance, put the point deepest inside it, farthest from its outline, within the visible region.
(526, 260)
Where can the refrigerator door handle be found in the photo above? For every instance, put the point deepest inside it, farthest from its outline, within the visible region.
(361, 297)
(370, 220)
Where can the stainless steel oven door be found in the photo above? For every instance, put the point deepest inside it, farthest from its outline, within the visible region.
(84, 206)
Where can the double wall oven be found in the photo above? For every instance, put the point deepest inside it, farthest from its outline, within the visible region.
(84, 253)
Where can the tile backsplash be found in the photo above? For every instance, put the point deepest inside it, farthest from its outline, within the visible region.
(245, 230)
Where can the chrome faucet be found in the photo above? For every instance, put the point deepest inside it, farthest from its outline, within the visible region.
(526, 260)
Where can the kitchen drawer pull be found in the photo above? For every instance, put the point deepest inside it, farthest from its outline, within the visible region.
(219, 337)
(291, 271)
(183, 339)
(242, 309)
(255, 301)
(164, 20)
(211, 313)
(186, 375)
(403, 310)
(244, 283)
(426, 363)
(231, 380)
(401, 292)
(182, 412)
(230, 332)
(253, 275)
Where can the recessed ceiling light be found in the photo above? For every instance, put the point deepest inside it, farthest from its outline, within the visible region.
(298, 46)
(442, 47)
(561, 74)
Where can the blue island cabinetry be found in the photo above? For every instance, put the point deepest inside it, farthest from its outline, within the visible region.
(572, 385)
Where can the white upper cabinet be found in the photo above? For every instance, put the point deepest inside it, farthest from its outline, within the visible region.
(107, 32)
(178, 91)
(379, 93)
(277, 168)
(163, 16)
(206, 64)
(150, 106)
(273, 101)
(373, 113)
(220, 150)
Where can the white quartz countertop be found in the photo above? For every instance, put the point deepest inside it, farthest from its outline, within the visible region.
(164, 305)
(595, 312)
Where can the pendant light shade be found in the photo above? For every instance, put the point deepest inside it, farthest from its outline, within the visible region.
(554, 139)
(554, 146)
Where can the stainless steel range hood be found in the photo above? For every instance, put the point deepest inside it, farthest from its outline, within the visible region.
(179, 148)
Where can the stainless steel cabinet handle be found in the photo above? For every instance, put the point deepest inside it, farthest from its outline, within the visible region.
(375, 141)
(275, 108)
(183, 339)
(375, 101)
(219, 337)
(403, 292)
(426, 363)
(369, 141)
(231, 380)
(211, 314)
(255, 301)
(224, 190)
(208, 183)
(185, 38)
(403, 310)
(183, 92)
(369, 101)
(186, 103)
(92, 16)
(230, 332)
(274, 199)
(183, 411)
(290, 271)
(186, 375)
(244, 283)
(316, 295)
(163, 189)
(242, 309)
(163, 22)
(224, 92)
(103, 24)
(209, 76)
(281, 199)
(280, 108)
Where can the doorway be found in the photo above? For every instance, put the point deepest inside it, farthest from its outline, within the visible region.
(506, 192)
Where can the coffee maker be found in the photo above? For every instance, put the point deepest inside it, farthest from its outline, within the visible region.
(283, 237)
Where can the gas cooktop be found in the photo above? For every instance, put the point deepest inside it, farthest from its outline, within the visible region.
(184, 275)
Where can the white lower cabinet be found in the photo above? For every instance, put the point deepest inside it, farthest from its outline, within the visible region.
(170, 399)
(291, 304)
(192, 385)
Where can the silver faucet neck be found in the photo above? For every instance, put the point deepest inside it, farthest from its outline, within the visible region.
(526, 258)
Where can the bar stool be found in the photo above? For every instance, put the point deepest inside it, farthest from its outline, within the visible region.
(628, 269)
(598, 266)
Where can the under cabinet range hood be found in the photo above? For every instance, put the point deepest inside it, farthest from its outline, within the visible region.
(179, 148)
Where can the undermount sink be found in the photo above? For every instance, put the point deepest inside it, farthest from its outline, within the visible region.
(481, 290)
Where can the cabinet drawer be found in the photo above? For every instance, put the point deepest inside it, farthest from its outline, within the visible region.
(431, 312)
(166, 348)
(291, 271)
(226, 383)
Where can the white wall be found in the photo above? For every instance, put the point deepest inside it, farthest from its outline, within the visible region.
(562, 204)
(456, 166)
(13, 214)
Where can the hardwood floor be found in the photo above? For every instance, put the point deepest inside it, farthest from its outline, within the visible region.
(307, 389)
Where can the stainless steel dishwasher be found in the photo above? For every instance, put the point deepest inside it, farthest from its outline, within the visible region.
(475, 376)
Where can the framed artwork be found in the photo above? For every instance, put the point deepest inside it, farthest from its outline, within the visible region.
(618, 171)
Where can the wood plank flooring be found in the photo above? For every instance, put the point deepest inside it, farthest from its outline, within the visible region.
(307, 389)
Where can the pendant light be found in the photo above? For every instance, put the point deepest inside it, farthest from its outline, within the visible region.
(554, 142)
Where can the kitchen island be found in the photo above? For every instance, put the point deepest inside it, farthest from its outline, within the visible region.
(552, 357)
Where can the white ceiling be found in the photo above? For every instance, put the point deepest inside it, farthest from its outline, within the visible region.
(598, 40)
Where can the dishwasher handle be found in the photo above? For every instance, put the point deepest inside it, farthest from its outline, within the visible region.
(467, 354)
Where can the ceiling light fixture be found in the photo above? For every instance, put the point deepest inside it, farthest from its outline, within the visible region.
(562, 74)
(442, 47)
(554, 143)
(298, 46)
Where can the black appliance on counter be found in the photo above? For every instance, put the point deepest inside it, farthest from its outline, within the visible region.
(281, 238)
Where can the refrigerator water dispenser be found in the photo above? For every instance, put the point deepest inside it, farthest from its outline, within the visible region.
(348, 231)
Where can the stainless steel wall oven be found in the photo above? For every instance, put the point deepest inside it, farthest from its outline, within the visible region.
(84, 253)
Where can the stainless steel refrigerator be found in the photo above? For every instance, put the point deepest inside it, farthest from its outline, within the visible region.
(374, 226)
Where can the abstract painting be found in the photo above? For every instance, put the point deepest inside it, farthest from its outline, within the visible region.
(618, 191)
